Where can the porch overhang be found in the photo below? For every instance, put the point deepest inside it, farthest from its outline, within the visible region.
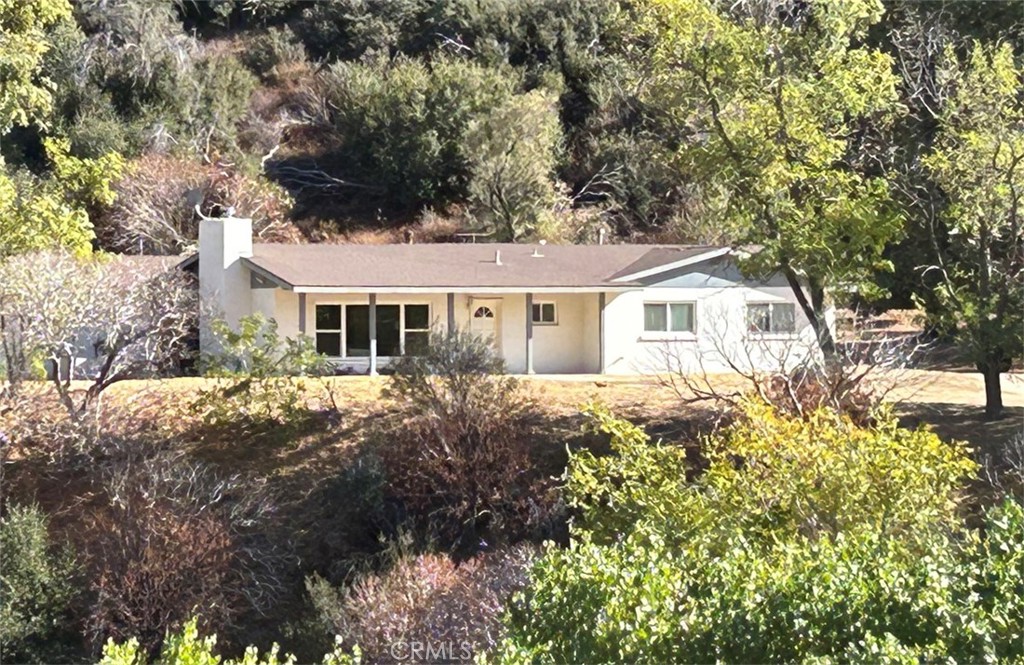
(469, 290)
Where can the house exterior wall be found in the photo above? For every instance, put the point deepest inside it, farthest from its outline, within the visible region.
(720, 295)
(224, 283)
(720, 339)
(569, 346)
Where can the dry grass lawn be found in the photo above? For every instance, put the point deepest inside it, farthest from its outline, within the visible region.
(950, 401)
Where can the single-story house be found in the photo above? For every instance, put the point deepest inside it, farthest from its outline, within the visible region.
(546, 309)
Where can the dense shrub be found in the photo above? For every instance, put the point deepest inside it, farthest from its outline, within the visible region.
(426, 598)
(347, 29)
(821, 475)
(347, 520)
(171, 538)
(276, 48)
(259, 375)
(804, 539)
(37, 586)
(456, 448)
(132, 68)
(401, 125)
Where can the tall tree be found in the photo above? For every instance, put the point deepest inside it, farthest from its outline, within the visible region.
(24, 95)
(776, 102)
(42, 213)
(978, 162)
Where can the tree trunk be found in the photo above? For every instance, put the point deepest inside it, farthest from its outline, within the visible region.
(814, 310)
(993, 392)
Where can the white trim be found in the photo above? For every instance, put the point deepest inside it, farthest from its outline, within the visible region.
(682, 263)
(387, 290)
(343, 331)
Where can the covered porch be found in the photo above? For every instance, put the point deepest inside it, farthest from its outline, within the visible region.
(545, 332)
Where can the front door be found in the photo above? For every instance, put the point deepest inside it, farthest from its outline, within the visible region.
(484, 321)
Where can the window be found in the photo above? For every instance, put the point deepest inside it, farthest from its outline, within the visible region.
(328, 330)
(544, 313)
(417, 329)
(777, 317)
(357, 331)
(344, 330)
(668, 317)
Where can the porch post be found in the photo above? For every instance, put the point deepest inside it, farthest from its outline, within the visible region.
(451, 313)
(600, 331)
(373, 334)
(302, 313)
(529, 333)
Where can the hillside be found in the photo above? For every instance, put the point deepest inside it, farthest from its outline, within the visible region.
(377, 120)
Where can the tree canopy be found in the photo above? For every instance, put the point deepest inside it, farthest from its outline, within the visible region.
(978, 162)
(773, 105)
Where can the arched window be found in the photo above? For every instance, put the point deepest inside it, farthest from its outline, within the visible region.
(483, 313)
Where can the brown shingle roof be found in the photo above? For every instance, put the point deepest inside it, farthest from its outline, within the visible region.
(461, 265)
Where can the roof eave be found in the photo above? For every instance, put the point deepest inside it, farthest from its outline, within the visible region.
(268, 275)
(607, 288)
(674, 265)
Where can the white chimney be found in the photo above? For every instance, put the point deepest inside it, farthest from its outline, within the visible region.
(224, 283)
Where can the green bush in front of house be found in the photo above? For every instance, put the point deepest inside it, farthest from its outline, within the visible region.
(188, 647)
(805, 540)
(37, 587)
(260, 377)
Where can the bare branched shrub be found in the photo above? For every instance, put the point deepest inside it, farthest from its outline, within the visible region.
(170, 539)
(155, 210)
(789, 372)
(96, 319)
(426, 599)
(456, 447)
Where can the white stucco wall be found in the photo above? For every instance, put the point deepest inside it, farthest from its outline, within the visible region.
(569, 346)
(224, 283)
(720, 339)
(719, 293)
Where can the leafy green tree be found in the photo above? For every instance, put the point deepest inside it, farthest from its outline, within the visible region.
(25, 96)
(512, 151)
(805, 540)
(916, 35)
(256, 372)
(772, 103)
(53, 211)
(978, 161)
(37, 586)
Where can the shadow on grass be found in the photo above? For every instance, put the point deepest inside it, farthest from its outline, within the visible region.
(965, 423)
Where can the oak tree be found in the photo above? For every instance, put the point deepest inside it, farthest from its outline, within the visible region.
(978, 162)
(774, 103)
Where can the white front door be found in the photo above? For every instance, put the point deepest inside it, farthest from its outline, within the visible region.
(484, 321)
